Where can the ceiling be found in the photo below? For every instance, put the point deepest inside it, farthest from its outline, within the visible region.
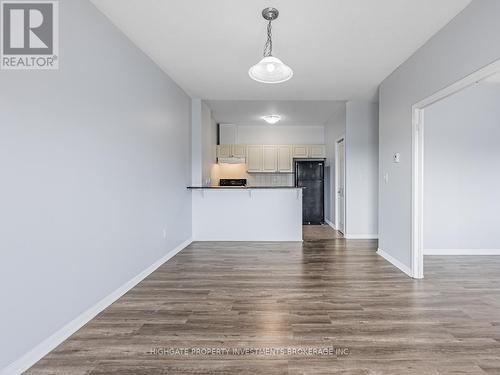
(250, 112)
(338, 49)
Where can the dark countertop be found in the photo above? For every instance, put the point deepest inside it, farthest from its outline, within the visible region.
(243, 187)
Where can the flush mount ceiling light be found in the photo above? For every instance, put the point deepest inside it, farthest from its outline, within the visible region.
(270, 69)
(272, 119)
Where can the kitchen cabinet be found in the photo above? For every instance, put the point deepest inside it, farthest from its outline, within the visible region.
(317, 151)
(239, 151)
(231, 151)
(254, 158)
(300, 151)
(269, 158)
(224, 151)
(272, 159)
(285, 159)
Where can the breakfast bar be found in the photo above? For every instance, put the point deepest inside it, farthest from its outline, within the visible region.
(257, 213)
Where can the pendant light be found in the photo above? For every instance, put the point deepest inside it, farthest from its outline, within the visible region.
(270, 69)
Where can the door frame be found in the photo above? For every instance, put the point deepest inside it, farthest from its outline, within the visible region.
(417, 191)
(340, 139)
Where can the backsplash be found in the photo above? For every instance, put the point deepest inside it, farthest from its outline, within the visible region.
(270, 179)
(253, 179)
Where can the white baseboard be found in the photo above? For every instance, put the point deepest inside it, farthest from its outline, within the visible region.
(38, 352)
(361, 236)
(461, 251)
(331, 224)
(395, 262)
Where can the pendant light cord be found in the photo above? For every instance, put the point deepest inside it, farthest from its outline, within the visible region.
(268, 47)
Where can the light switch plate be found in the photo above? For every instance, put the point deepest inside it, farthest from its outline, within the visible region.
(397, 157)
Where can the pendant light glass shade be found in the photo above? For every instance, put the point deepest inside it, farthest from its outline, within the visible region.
(270, 70)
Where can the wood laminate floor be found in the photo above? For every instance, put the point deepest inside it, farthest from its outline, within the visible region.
(320, 294)
(320, 232)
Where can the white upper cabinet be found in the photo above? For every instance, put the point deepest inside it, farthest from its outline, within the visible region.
(239, 151)
(285, 159)
(317, 151)
(300, 151)
(254, 158)
(269, 158)
(224, 151)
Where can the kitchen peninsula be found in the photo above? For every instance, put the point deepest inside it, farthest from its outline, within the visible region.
(244, 213)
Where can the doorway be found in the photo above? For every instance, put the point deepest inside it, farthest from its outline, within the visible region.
(340, 186)
(418, 113)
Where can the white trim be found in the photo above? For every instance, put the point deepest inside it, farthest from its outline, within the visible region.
(461, 251)
(46, 346)
(361, 236)
(417, 199)
(337, 141)
(331, 224)
(395, 262)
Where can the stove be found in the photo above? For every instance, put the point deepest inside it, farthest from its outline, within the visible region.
(233, 182)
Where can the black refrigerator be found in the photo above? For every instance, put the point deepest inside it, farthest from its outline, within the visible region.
(309, 174)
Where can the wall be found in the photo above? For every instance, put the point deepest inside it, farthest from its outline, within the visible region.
(361, 170)
(281, 134)
(469, 42)
(334, 129)
(95, 159)
(461, 161)
(209, 144)
(196, 142)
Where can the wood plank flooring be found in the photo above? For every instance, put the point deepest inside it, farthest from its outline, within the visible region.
(320, 294)
(320, 232)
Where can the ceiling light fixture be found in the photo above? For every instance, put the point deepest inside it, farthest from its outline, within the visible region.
(272, 119)
(270, 69)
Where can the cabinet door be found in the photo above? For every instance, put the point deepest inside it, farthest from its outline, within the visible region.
(224, 151)
(270, 158)
(254, 158)
(317, 151)
(239, 151)
(285, 159)
(299, 151)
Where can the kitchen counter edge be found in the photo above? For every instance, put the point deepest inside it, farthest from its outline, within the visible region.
(242, 187)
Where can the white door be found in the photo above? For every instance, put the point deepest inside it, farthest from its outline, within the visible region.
(254, 158)
(341, 185)
(285, 159)
(270, 158)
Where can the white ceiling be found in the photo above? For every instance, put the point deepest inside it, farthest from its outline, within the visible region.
(338, 49)
(250, 112)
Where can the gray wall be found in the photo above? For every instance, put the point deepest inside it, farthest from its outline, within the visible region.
(94, 162)
(470, 41)
(361, 169)
(461, 178)
(209, 143)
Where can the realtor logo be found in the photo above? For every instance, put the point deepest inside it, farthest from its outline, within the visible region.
(29, 37)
